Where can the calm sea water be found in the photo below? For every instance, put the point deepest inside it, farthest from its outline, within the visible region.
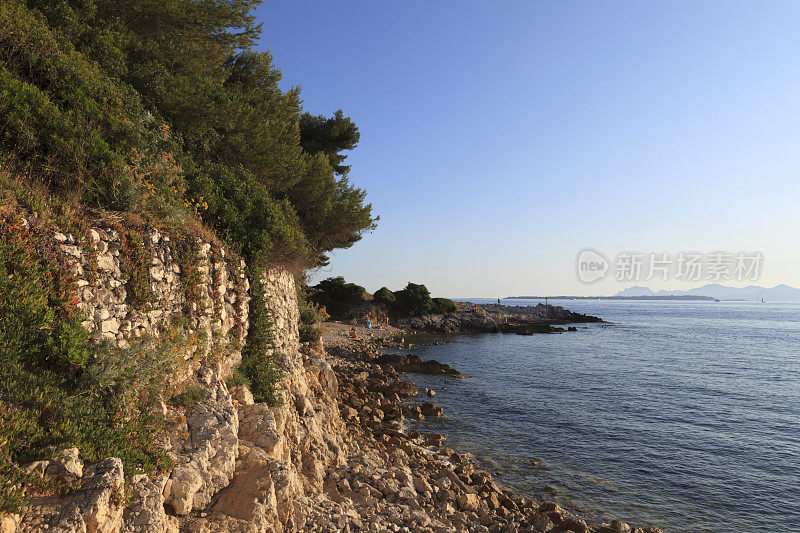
(683, 415)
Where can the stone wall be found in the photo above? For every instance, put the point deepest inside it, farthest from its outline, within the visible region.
(239, 466)
(103, 268)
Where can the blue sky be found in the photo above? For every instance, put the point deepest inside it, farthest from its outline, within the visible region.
(498, 139)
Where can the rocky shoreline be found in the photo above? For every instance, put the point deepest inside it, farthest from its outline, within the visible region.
(497, 318)
(406, 480)
(331, 455)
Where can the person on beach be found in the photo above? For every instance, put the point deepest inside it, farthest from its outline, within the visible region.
(353, 332)
(369, 323)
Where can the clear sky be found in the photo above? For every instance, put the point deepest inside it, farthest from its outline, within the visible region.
(500, 138)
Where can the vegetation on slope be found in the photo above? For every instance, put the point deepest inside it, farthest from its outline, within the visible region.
(164, 110)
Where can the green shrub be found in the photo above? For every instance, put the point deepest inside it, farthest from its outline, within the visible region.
(138, 270)
(384, 295)
(237, 378)
(337, 296)
(441, 306)
(310, 333)
(187, 255)
(188, 397)
(56, 389)
(413, 300)
(258, 354)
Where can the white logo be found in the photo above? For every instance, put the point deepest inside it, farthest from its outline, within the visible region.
(591, 265)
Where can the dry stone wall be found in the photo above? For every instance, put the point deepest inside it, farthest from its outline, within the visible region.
(104, 268)
(239, 466)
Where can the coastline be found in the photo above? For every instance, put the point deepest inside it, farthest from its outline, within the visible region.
(412, 482)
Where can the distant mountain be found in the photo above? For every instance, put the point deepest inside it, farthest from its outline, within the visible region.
(715, 290)
(636, 290)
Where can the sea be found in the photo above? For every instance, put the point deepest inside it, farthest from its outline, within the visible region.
(681, 415)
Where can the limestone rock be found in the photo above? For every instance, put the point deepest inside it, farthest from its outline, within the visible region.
(207, 466)
(66, 466)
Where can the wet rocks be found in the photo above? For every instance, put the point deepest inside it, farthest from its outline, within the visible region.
(415, 365)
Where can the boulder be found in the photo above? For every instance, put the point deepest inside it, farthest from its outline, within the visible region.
(66, 466)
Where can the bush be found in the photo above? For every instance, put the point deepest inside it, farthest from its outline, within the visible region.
(384, 295)
(258, 354)
(190, 396)
(311, 312)
(56, 389)
(414, 300)
(238, 378)
(309, 333)
(442, 306)
(338, 296)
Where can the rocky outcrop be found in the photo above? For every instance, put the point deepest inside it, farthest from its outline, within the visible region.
(416, 365)
(239, 466)
(496, 318)
(95, 507)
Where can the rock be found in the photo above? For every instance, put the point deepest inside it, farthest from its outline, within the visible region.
(542, 523)
(66, 466)
(208, 464)
(468, 502)
(431, 409)
(621, 527)
(100, 498)
(421, 518)
(407, 493)
(74, 251)
(37, 468)
(242, 395)
(9, 522)
(105, 261)
(574, 525)
(258, 425)
(109, 326)
(144, 512)
(549, 507)
(422, 485)
(348, 413)
(616, 526)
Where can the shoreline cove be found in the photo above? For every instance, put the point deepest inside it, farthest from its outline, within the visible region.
(364, 365)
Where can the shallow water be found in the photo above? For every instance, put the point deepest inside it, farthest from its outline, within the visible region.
(684, 415)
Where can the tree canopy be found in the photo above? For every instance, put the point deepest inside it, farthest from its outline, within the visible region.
(161, 106)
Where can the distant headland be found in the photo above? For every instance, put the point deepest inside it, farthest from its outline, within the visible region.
(616, 297)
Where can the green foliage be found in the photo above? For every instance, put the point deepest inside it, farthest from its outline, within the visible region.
(311, 314)
(237, 378)
(338, 296)
(66, 120)
(138, 269)
(442, 306)
(14, 426)
(244, 213)
(384, 295)
(258, 364)
(310, 333)
(188, 397)
(164, 108)
(413, 300)
(330, 136)
(58, 390)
